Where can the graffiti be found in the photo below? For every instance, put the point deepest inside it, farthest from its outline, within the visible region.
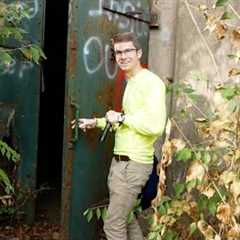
(19, 69)
(122, 22)
(95, 47)
(92, 64)
(32, 5)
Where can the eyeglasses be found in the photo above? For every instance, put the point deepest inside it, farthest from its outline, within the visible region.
(125, 52)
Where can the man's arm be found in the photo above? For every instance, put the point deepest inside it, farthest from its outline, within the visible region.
(151, 118)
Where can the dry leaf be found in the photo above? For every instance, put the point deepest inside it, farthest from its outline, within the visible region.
(224, 213)
(195, 171)
(206, 230)
(234, 72)
(234, 232)
(209, 192)
(220, 30)
(179, 144)
(235, 38)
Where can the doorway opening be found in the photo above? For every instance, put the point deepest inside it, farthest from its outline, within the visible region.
(49, 167)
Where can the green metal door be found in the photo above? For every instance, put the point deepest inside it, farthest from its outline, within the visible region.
(20, 88)
(93, 84)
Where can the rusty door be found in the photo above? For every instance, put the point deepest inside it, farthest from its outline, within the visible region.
(93, 84)
(20, 90)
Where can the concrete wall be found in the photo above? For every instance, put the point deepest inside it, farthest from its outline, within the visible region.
(179, 52)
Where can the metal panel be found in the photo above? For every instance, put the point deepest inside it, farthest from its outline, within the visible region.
(93, 84)
(131, 8)
(20, 86)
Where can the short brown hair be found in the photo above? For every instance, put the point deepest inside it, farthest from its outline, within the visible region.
(126, 37)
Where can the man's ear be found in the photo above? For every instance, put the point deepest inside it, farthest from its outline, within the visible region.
(139, 53)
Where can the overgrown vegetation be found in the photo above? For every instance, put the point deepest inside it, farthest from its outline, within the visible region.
(205, 204)
(14, 45)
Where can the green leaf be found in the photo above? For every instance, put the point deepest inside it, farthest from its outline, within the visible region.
(184, 154)
(227, 16)
(130, 217)
(170, 235)
(192, 228)
(5, 58)
(5, 180)
(220, 3)
(179, 189)
(104, 213)
(206, 157)
(162, 210)
(35, 54)
(86, 212)
(202, 202)
(228, 93)
(27, 53)
(191, 184)
(90, 215)
(212, 206)
(98, 213)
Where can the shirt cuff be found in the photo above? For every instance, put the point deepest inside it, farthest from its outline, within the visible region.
(101, 123)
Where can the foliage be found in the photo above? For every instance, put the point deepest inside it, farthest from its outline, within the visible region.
(14, 45)
(206, 203)
(13, 42)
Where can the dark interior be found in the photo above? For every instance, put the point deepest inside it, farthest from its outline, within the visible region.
(49, 167)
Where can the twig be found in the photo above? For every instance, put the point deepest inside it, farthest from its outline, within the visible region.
(197, 108)
(183, 135)
(203, 39)
(12, 49)
(234, 11)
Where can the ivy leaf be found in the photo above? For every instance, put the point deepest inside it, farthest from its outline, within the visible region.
(184, 154)
(220, 3)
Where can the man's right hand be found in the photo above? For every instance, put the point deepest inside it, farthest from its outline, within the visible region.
(84, 123)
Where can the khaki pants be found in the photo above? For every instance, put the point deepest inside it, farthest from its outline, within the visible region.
(125, 182)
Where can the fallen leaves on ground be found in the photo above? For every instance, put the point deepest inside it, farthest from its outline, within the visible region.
(39, 231)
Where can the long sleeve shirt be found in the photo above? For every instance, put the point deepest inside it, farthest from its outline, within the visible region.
(145, 116)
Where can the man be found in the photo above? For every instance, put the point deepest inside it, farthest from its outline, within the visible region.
(136, 129)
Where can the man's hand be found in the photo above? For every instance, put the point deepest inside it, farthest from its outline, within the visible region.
(113, 117)
(84, 123)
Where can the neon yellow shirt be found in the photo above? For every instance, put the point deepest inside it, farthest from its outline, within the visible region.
(145, 116)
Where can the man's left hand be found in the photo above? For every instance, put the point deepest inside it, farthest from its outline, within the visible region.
(112, 116)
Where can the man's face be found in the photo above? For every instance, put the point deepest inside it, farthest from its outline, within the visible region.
(127, 56)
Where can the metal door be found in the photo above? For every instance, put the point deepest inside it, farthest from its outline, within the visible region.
(93, 84)
(20, 88)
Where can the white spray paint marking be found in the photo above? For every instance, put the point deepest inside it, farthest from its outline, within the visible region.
(95, 47)
(19, 69)
(108, 64)
(87, 49)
